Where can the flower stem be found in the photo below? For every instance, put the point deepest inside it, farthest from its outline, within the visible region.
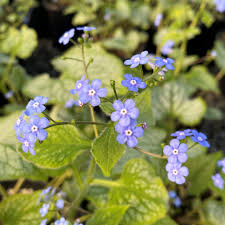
(75, 59)
(48, 117)
(193, 145)
(18, 185)
(150, 154)
(76, 174)
(113, 85)
(105, 183)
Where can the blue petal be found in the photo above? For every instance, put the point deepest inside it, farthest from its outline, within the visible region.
(102, 92)
(43, 123)
(42, 134)
(115, 116)
(95, 101)
(121, 138)
(124, 121)
(118, 105)
(129, 104)
(133, 113)
(96, 84)
(132, 141)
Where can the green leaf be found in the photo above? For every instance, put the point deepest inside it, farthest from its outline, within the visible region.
(13, 166)
(201, 170)
(207, 18)
(165, 221)
(107, 108)
(200, 78)
(63, 144)
(7, 124)
(105, 66)
(108, 216)
(107, 150)
(214, 212)
(21, 209)
(171, 100)
(143, 191)
(20, 43)
(56, 89)
(220, 54)
(144, 104)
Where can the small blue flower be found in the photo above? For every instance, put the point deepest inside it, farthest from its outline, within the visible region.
(79, 86)
(213, 53)
(176, 172)
(19, 124)
(221, 163)
(124, 112)
(62, 221)
(129, 134)
(70, 103)
(27, 144)
(133, 83)
(93, 93)
(44, 209)
(167, 47)
(172, 194)
(177, 202)
(86, 28)
(35, 129)
(46, 191)
(60, 204)
(200, 138)
(43, 222)
(159, 62)
(220, 5)
(182, 134)
(176, 152)
(65, 38)
(158, 19)
(137, 59)
(36, 105)
(218, 181)
(9, 94)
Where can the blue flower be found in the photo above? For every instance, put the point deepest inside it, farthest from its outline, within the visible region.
(60, 204)
(43, 222)
(129, 134)
(200, 138)
(176, 152)
(9, 94)
(218, 181)
(167, 47)
(137, 59)
(46, 191)
(177, 202)
(79, 86)
(86, 28)
(124, 112)
(36, 105)
(133, 83)
(159, 62)
(65, 38)
(35, 129)
(158, 19)
(19, 124)
(62, 221)
(182, 134)
(172, 194)
(176, 172)
(27, 144)
(70, 103)
(220, 5)
(221, 163)
(44, 209)
(93, 93)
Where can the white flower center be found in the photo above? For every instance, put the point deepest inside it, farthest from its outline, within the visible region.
(181, 133)
(36, 104)
(133, 82)
(164, 60)
(66, 34)
(18, 122)
(175, 172)
(26, 143)
(137, 59)
(80, 103)
(34, 128)
(200, 139)
(123, 112)
(175, 151)
(79, 85)
(128, 132)
(91, 92)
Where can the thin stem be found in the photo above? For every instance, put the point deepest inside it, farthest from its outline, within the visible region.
(48, 117)
(61, 179)
(141, 71)
(84, 61)
(76, 123)
(18, 185)
(94, 122)
(3, 192)
(113, 85)
(72, 41)
(75, 59)
(193, 145)
(220, 75)
(105, 183)
(150, 154)
(76, 175)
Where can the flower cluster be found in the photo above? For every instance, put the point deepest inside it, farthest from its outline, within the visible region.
(28, 133)
(217, 178)
(89, 92)
(126, 114)
(133, 83)
(176, 199)
(177, 154)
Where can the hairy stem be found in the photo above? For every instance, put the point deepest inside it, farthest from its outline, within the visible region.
(48, 117)
(150, 154)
